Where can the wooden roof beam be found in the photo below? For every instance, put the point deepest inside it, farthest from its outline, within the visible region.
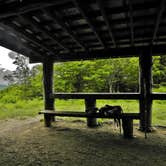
(114, 53)
(17, 8)
(6, 40)
(158, 19)
(59, 21)
(100, 4)
(33, 23)
(27, 36)
(80, 6)
(131, 21)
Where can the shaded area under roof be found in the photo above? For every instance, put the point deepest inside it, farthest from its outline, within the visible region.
(67, 30)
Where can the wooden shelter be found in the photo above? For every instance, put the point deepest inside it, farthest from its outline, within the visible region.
(69, 30)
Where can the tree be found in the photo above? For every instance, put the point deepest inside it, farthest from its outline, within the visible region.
(21, 75)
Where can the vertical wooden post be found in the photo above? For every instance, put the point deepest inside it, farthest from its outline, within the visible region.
(48, 89)
(90, 104)
(145, 61)
(127, 124)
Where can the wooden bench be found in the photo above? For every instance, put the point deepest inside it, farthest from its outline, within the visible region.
(127, 118)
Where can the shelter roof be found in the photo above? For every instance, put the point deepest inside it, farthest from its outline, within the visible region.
(67, 30)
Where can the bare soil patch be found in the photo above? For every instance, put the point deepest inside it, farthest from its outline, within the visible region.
(67, 143)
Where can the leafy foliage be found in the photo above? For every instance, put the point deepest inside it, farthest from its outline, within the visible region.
(111, 75)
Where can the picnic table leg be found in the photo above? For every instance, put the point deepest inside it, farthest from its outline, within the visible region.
(127, 124)
(90, 104)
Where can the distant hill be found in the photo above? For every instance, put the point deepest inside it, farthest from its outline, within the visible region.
(2, 86)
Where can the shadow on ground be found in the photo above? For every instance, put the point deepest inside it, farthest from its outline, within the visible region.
(73, 144)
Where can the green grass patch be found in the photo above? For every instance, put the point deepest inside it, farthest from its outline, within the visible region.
(30, 108)
(160, 89)
(20, 109)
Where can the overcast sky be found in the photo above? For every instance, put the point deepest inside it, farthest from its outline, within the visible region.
(5, 61)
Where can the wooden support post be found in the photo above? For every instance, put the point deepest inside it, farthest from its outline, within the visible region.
(145, 61)
(48, 90)
(90, 104)
(127, 124)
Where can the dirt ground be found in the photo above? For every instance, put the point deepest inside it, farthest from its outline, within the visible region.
(71, 143)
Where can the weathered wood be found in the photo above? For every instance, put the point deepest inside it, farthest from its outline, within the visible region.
(127, 125)
(131, 21)
(107, 21)
(146, 90)
(69, 31)
(89, 115)
(127, 118)
(48, 89)
(159, 96)
(111, 53)
(33, 23)
(15, 9)
(127, 96)
(80, 5)
(158, 19)
(25, 35)
(90, 104)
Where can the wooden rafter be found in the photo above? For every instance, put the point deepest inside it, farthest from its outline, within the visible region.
(158, 19)
(81, 7)
(17, 8)
(27, 36)
(100, 4)
(131, 21)
(59, 21)
(17, 45)
(33, 23)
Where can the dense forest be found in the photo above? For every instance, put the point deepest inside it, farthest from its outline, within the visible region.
(111, 75)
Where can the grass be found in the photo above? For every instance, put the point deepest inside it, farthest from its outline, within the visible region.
(30, 108)
(21, 109)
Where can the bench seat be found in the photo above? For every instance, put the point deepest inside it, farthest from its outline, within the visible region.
(127, 118)
(89, 115)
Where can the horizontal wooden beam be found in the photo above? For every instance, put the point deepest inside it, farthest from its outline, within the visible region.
(127, 96)
(89, 115)
(159, 96)
(112, 53)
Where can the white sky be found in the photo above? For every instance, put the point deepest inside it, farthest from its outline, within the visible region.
(5, 61)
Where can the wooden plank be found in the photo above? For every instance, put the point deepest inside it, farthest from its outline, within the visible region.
(82, 7)
(15, 9)
(57, 18)
(159, 96)
(88, 115)
(25, 35)
(14, 43)
(107, 21)
(132, 96)
(122, 52)
(40, 28)
(131, 21)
